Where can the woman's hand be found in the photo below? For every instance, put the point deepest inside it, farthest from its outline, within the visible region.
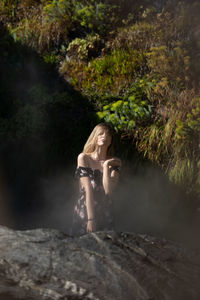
(110, 177)
(112, 162)
(91, 226)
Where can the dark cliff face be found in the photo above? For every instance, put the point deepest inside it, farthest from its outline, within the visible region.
(47, 264)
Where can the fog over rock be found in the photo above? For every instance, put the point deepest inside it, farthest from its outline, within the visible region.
(48, 264)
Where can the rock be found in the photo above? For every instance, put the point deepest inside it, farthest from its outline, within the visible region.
(47, 264)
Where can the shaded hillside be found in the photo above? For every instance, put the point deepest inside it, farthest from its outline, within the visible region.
(43, 125)
(37, 106)
(137, 63)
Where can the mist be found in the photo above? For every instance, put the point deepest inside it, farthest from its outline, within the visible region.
(144, 202)
(148, 203)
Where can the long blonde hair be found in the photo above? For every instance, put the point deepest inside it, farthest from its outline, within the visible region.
(90, 145)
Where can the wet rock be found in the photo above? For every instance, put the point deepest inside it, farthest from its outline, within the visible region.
(47, 264)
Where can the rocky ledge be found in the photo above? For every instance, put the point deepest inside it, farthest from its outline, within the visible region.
(47, 264)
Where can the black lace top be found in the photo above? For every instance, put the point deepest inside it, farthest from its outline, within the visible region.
(102, 203)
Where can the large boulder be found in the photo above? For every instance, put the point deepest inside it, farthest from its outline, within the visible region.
(47, 264)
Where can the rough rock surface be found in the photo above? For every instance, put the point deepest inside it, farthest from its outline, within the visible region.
(47, 264)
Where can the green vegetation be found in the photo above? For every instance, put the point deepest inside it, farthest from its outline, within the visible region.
(110, 74)
(131, 111)
(137, 64)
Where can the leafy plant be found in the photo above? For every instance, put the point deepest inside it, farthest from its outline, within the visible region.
(84, 48)
(132, 111)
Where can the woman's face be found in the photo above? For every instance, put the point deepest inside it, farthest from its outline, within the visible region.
(104, 138)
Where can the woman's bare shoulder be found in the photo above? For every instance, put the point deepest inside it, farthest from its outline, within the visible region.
(83, 160)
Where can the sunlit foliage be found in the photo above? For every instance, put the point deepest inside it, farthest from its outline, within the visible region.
(138, 64)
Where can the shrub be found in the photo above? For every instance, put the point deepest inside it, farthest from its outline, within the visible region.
(132, 111)
(84, 49)
(109, 75)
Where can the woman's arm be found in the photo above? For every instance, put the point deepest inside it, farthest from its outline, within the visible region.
(110, 177)
(85, 182)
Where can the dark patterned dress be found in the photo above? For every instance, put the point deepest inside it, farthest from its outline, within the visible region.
(102, 204)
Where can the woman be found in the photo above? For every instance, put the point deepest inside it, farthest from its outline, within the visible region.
(98, 174)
